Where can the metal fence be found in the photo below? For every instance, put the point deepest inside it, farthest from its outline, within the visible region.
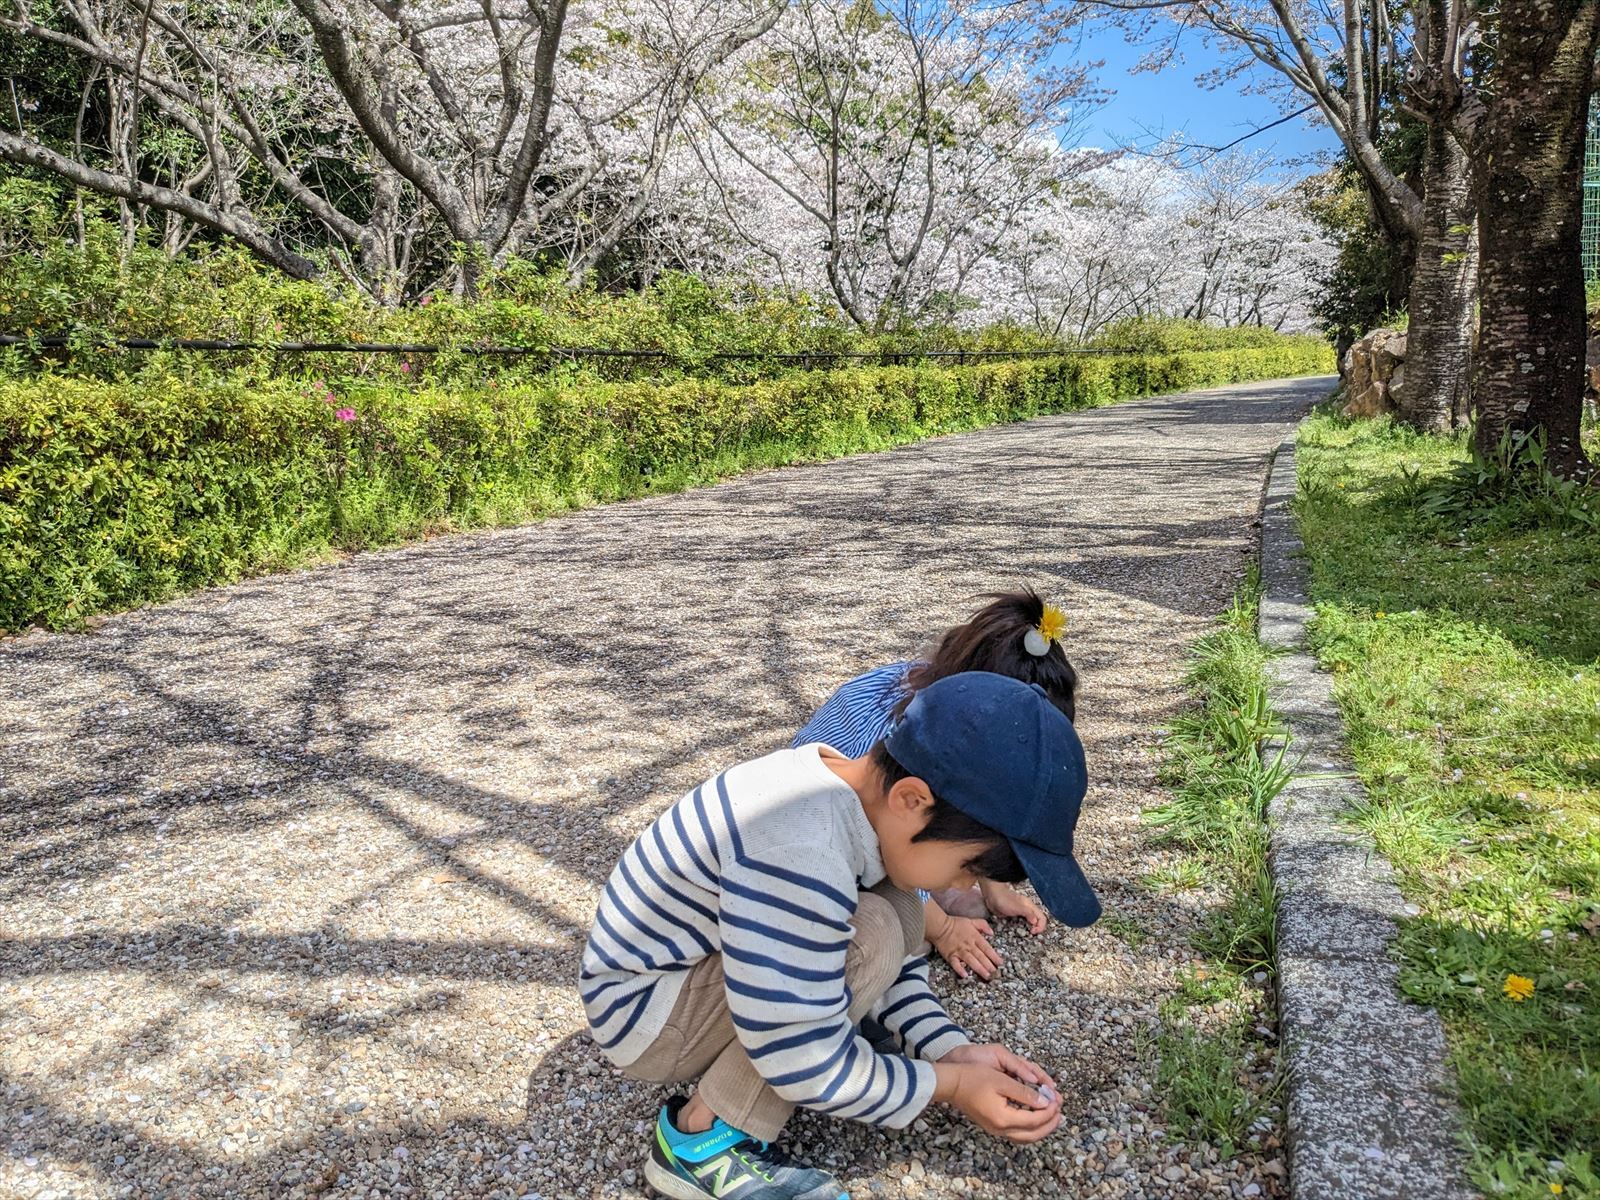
(1591, 200)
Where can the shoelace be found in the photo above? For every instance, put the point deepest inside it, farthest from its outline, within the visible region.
(765, 1157)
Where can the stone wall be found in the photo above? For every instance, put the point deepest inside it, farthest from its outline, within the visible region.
(1373, 370)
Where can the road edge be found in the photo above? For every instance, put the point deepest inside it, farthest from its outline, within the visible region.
(1370, 1107)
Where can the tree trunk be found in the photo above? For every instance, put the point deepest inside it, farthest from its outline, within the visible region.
(1438, 370)
(1529, 165)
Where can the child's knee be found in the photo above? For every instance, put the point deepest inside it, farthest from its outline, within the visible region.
(877, 948)
(909, 911)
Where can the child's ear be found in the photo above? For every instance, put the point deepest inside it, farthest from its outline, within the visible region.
(912, 799)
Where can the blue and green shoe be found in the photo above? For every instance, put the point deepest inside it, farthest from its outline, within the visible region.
(724, 1164)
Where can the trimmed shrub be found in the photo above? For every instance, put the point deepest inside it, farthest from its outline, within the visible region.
(118, 493)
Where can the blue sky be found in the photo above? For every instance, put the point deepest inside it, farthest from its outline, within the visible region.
(1147, 106)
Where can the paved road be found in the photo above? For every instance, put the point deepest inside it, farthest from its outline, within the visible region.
(295, 873)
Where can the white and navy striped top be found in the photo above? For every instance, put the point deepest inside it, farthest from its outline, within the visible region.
(764, 864)
(857, 716)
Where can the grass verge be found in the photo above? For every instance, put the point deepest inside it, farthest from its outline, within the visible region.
(1217, 1065)
(1464, 631)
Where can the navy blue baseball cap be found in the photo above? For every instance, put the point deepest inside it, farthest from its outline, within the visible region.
(998, 750)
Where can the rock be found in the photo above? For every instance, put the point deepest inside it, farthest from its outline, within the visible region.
(1172, 1174)
(1373, 368)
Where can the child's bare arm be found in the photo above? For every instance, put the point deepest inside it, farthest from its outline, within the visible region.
(1003, 900)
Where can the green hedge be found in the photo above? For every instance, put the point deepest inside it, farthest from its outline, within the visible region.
(114, 494)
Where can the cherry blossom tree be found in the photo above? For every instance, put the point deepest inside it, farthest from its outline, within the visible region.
(894, 146)
(381, 129)
(1527, 131)
(1354, 63)
(1139, 236)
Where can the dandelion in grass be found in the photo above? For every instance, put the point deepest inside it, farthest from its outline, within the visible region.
(1557, 1189)
(346, 414)
(1380, 614)
(1518, 987)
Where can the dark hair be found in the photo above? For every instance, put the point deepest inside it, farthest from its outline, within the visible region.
(947, 823)
(992, 641)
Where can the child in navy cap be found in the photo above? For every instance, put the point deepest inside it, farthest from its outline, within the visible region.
(745, 935)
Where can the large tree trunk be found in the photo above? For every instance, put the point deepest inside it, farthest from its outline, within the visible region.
(1438, 370)
(1529, 163)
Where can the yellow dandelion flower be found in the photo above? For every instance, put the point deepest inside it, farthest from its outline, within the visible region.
(1380, 614)
(1053, 625)
(1518, 987)
(1557, 1188)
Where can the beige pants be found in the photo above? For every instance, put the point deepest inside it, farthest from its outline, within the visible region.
(698, 1040)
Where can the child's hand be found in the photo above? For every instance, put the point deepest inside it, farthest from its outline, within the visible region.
(964, 944)
(992, 1097)
(993, 1054)
(1003, 900)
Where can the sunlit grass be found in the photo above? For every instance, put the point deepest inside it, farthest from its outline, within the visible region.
(1209, 1066)
(1467, 656)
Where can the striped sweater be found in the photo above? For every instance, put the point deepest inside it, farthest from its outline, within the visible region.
(763, 864)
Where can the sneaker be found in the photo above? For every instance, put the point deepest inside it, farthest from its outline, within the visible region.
(725, 1164)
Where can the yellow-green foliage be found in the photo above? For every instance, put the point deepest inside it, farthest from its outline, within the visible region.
(116, 493)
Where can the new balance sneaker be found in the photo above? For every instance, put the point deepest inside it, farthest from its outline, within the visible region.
(725, 1164)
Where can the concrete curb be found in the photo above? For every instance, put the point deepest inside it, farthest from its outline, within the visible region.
(1370, 1111)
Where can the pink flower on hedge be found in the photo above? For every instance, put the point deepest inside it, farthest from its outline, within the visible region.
(346, 414)
(405, 368)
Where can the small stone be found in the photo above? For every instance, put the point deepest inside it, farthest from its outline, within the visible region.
(1172, 1174)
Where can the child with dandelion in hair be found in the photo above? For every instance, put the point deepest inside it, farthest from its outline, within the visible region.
(1017, 634)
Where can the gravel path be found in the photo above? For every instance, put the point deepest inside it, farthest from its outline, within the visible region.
(296, 872)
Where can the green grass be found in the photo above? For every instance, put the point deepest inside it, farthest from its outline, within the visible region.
(1126, 929)
(1466, 644)
(1222, 778)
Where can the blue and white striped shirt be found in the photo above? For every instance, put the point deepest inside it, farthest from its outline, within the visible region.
(764, 864)
(857, 716)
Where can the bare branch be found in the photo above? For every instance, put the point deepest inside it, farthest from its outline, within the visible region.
(26, 152)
